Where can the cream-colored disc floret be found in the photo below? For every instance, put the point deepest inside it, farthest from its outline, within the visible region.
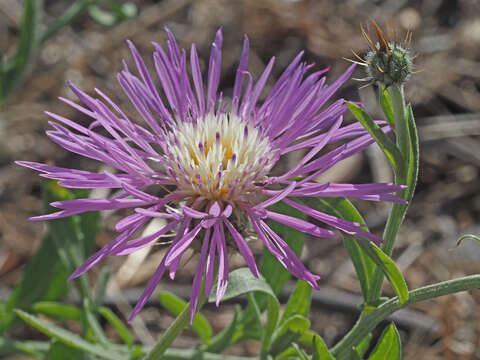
(220, 158)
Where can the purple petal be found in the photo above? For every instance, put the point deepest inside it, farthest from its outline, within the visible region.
(198, 276)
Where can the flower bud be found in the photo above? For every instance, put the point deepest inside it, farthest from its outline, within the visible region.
(389, 62)
(391, 67)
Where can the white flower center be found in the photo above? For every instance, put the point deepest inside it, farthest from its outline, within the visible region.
(220, 158)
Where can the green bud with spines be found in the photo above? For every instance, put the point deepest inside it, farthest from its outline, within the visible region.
(389, 67)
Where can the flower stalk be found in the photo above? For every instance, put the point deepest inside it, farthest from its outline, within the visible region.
(398, 211)
(368, 322)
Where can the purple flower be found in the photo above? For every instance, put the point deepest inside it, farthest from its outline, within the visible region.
(211, 161)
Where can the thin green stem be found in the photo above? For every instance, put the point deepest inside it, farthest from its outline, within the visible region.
(367, 322)
(174, 330)
(394, 221)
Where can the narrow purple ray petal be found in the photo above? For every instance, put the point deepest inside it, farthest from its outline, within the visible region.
(178, 249)
(210, 268)
(343, 225)
(219, 237)
(214, 69)
(240, 75)
(197, 280)
(243, 248)
(278, 196)
(137, 244)
(300, 225)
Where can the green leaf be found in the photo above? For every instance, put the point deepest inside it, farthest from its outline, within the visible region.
(354, 355)
(320, 350)
(44, 278)
(344, 209)
(57, 311)
(389, 345)
(362, 348)
(240, 282)
(307, 337)
(273, 309)
(468, 236)
(271, 269)
(388, 267)
(412, 172)
(93, 324)
(117, 324)
(15, 70)
(301, 354)
(226, 337)
(290, 331)
(102, 285)
(390, 150)
(74, 236)
(60, 351)
(35, 349)
(68, 338)
(387, 106)
(299, 301)
(175, 305)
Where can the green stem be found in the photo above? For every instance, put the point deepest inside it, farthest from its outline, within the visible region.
(367, 322)
(394, 221)
(174, 330)
(398, 211)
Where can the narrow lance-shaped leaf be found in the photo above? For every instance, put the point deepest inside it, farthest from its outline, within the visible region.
(44, 278)
(226, 337)
(320, 350)
(386, 103)
(35, 349)
(362, 348)
(299, 301)
(60, 351)
(412, 172)
(390, 150)
(289, 332)
(388, 267)
(301, 354)
(57, 311)
(117, 324)
(389, 345)
(91, 320)
(469, 236)
(14, 70)
(69, 338)
(102, 285)
(344, 209)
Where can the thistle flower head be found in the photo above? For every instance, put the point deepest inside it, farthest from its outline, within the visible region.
(204, 164)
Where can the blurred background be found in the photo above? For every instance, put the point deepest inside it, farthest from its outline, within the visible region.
(445, 92)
